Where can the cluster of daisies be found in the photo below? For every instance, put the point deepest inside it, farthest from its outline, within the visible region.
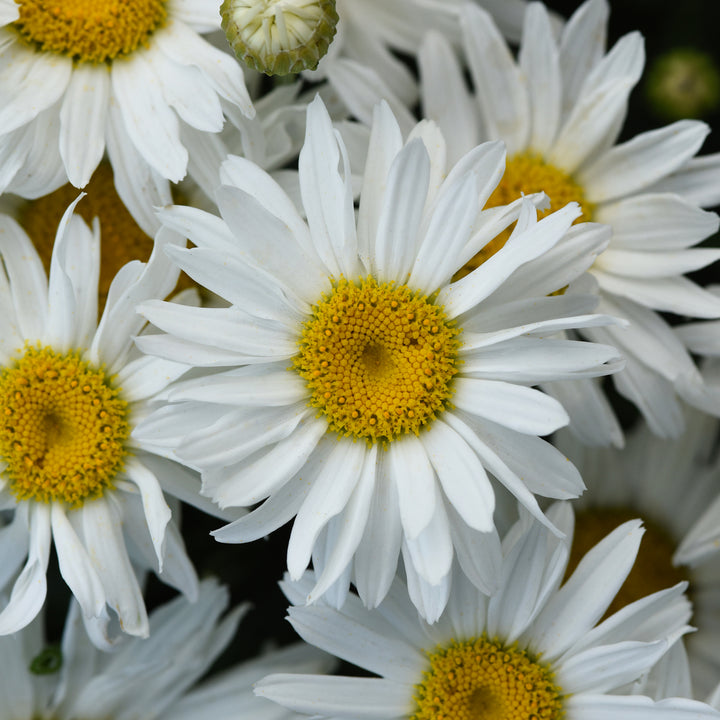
(381, 271)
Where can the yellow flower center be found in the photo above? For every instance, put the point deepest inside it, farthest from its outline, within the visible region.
(653, 569)
(528, 173)
(89, 30)
(480, 679)
(122, 238)
(378, 359)
(63, 427)
(278, 37)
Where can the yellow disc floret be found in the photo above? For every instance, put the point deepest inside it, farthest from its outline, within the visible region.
(653, 569)
(481, 679)
(89, 30)
(63, 429)
(378, 359)
(528, 173)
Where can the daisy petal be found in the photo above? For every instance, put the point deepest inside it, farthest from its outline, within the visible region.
(461, 475)
(75, 564)
(414, 479)
(495, 75)
(523, 409)
(139, 98)
(585, 596)
(639, 162)
(157, 513)
(327, 497)
(30, 588)
(82, 121)
(611, 707)
(103, 531)
(338, 697)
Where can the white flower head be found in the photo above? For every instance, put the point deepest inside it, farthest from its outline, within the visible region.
(672, 487)
(559, 107)
(134, 78)
(153, 679)
(73, 389)
(535, 648)
(371, 394)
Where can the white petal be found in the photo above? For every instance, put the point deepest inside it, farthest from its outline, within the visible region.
(412, 474)
(151, 125)
(75, 564)
(102, 527)
(397, 230)
(26, 275)
(445, 97)
(139, 186)
(431, 552)
(382, 653)
(498, 81)
(38, 80)
(222, 71)
(157, 513)
(254, 386)
(82, 121)
(639, 162)
(611, 707)
(540, 61)
(598, 113)
(338, 697)
(187, 91)
(267, 242)
(253, 482)
(523, 409)
(586, 595)
(656, 221)
(519, 249)
(461, 475)
(377, 555)
(354, 519)
(329, 494)
(327, 194)
(30, 588)
(385, 143)
(604, 668)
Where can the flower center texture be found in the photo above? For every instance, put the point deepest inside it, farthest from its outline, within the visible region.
(653, 569)
(90, 30)
(122, 238)
(480, 679)
(63, 427)
(528, 173)
(378, 359)
(278, 37)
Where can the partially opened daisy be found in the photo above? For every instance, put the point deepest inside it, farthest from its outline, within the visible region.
(72, 390)
(370, 395)
(534, 649)
(153, 679)
(559, 108)
(134, 78)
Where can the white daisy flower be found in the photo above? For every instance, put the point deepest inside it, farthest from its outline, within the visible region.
(134, 78)
(669, 486)
(356, 358)
(72, 391)
(534, 649)
(559, 108)
(153, 679)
